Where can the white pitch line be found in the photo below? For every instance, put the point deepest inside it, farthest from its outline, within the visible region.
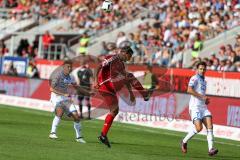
(177, 135)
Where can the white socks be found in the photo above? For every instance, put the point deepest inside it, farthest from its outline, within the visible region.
(193, 131)
(190, 134)
(78, 128)
(76, 125)
(210, 138)
(55, 123)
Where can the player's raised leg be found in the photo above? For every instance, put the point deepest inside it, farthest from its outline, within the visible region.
(138, 86)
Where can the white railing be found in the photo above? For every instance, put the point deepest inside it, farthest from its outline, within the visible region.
(54, 51)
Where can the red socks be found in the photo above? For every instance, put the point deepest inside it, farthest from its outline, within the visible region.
(107, 124)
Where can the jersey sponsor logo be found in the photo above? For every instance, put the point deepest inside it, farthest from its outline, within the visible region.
(108, 61)
(67, 80)
(203, 87)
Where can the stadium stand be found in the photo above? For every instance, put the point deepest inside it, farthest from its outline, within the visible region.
(89, 14)
(179, 27)
(169, 32)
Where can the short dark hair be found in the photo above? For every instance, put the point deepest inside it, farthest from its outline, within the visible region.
(202, 63)
(127, 49)
(67, 62)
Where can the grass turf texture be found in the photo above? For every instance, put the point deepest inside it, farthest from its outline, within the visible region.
(24, 136)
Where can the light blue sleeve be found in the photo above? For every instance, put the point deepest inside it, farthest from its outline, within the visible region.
(193, 82)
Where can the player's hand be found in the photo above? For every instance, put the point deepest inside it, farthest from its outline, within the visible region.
(207, 101)
(96, 86)
(67, 95)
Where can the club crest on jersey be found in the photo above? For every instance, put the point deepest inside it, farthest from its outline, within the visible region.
(67, 80)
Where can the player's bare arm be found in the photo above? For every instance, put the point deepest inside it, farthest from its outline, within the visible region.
(81, 89)
(194, 93)
(58, 92)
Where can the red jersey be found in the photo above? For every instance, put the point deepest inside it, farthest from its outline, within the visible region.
(112, 73)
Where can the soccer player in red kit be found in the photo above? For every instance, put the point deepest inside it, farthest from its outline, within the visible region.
(111, 77)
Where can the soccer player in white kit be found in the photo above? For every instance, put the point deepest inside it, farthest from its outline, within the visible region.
(60, 85)
(198, 109)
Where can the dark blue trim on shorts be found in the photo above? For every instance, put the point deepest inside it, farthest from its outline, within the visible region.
(207, 116)
(69, 114)
(196, 119)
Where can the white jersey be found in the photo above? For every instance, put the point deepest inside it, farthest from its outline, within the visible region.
(60, 82)
(199, 85)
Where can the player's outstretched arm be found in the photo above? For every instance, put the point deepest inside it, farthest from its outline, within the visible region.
(82, 90)
(58, 92)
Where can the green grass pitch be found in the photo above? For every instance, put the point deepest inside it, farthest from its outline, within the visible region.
(24, 136)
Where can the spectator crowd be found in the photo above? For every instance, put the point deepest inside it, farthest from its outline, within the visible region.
(174, 27)
(178, 26)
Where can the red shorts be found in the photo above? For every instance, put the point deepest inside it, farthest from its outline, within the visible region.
(108, 93)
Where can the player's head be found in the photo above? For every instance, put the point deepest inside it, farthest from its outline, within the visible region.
(67, 67)
(126, 53)
(201, 68)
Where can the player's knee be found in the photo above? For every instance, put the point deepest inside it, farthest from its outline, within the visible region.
(210, 127)
(77, 119)
(115, 111)
(198, 128)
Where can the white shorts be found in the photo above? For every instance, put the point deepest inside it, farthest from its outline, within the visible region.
(64, 102)
(199, 113)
